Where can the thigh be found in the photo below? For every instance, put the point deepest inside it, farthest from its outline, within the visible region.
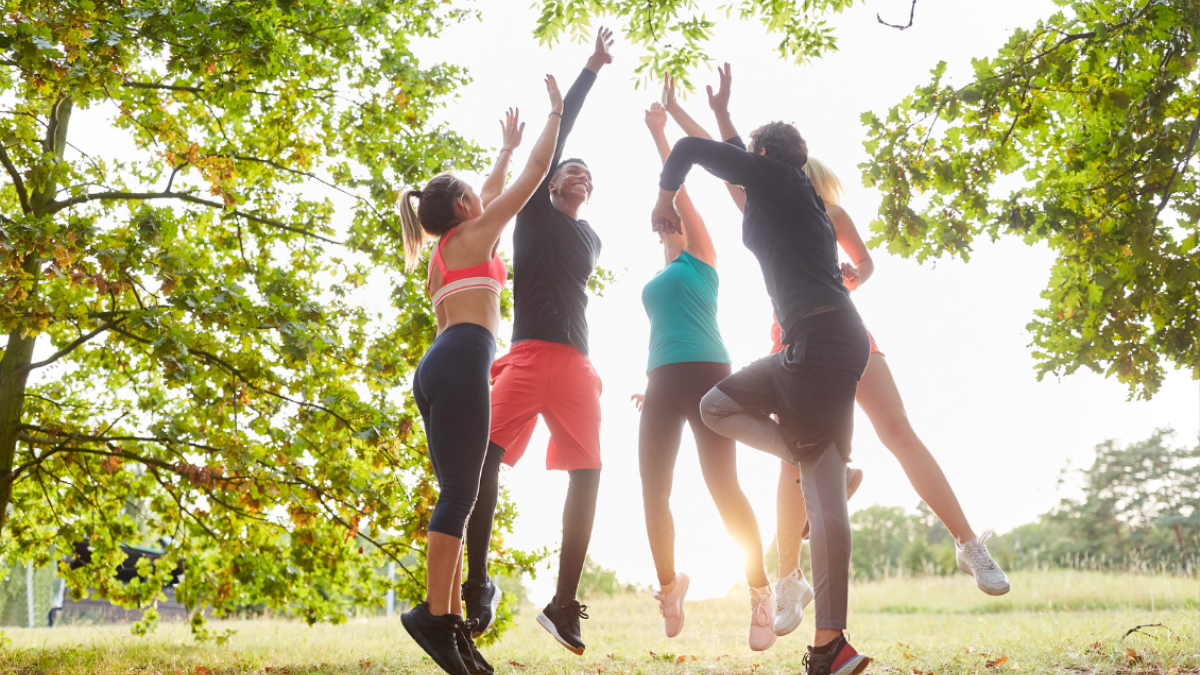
(456, 421)
(518, 392)
(753, 387)
(660, 428)
(717, 452)
(572, 412)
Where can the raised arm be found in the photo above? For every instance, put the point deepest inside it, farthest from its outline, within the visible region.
(573, 102)
(511, 127)
(697, 241)
(692, 128)
(719, 102)
(505, 206)
(856, 274)
(723, 160)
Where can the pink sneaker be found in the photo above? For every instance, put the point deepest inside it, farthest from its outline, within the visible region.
(671, 605)
(762, 619)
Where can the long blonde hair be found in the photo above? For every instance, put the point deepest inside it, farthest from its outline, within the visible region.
(433, 216)
(825, 181)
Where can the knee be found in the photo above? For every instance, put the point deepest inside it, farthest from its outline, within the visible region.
(451, 514)
(715, 407)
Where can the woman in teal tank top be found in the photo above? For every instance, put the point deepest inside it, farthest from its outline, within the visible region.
(687, 358)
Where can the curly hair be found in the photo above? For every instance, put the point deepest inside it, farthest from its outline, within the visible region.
(783, 143)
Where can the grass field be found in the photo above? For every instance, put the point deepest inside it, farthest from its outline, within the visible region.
(1053, 622)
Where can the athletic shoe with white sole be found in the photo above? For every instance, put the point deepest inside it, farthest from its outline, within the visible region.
(562, 621)
(480, 600)
(840, 659)
(853, 480)
(974, 559)
(670, 605)
(792, 595)
(762, 619)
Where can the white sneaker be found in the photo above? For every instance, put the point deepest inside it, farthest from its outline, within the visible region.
(792, 595)
(670, 605)
(974, 559)
(762, 619)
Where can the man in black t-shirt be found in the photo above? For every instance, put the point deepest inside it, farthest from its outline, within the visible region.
(547, 372)
(811, 384)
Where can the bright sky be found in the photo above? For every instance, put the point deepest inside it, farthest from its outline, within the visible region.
(954, 333)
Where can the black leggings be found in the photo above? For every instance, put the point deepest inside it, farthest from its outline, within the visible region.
(579, 513)
(451, 388)
(672, 397)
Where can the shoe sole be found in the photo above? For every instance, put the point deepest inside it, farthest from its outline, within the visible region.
(856, 477)
(854, 666)
(495, 605)
(549, 626)
(765, 648)
(990, 591)
(426, 646)
(787, 628)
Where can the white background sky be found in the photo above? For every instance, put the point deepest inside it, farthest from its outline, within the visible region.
(954, 333)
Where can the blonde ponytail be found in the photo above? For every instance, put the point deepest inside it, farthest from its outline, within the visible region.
(414, 234)
(824, 180)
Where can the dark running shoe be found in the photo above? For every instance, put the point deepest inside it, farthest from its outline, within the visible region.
(438, 636)
(562, 621)
(481, 601)
(840, 660)
(472, 659)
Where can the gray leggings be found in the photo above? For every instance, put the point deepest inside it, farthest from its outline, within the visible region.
(823, 480)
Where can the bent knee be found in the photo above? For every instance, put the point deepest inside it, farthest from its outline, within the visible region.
(715, 406)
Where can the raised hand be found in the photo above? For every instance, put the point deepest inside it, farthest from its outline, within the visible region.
(556, 103)
(638, 401)
(511, 127)
(719, 102)
(601, 55)
(668, 93)
(656, 118)
(664, 218)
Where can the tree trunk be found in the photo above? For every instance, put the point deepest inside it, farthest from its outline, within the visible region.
(18, 354)
(1179, 538)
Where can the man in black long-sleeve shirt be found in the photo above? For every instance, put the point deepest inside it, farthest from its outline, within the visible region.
(811, 384)
(547, 372)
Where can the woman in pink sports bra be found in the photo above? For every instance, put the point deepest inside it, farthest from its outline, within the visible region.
(451, 384)
(880, 399)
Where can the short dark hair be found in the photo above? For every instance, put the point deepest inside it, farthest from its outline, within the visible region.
(572, 160)
(783, 143)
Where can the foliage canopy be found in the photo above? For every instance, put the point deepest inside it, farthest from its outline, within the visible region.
(1080, 135)
(227, 379)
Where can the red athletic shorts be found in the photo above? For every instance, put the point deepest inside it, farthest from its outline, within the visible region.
(777, 335)
(557, 382)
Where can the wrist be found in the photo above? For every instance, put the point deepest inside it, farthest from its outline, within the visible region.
(595, 63)
(504, 150)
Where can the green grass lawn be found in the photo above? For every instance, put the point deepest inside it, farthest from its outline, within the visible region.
(1052, 622)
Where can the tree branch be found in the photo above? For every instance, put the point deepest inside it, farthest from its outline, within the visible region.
(233, 370)
(911, 12)
(1187, 155)
(55, 207)
(66, 350)
(17, 182)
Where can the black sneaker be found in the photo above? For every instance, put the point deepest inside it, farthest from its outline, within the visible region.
(481, 600)
(562, 621)
(840, 659)
(438, 636)
(472, 659)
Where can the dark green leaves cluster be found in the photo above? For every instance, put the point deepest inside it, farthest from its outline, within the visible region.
(673, 32)
(228, 374)
(1079, 134)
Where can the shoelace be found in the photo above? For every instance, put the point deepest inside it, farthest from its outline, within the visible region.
(979, 553)
(758, 608)
(583, 612)
(465, 628)
(784, 591)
